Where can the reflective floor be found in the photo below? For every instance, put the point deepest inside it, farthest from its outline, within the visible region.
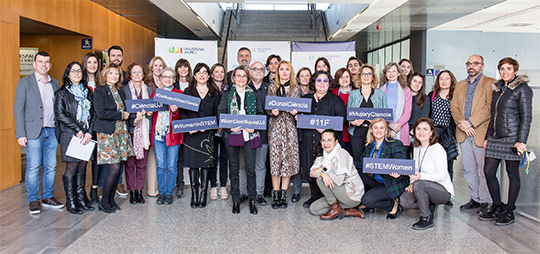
(180, 229)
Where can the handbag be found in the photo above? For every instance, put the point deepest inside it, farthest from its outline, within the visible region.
(256, 143)
(236, 139)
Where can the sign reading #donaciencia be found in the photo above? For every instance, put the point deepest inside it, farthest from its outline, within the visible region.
(288, 103)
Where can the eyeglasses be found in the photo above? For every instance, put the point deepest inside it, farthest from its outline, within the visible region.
(136, 72)
(322, 80)
(257, 69)
(169, 77)
(474, 64)
(366, 74)
(76, 71)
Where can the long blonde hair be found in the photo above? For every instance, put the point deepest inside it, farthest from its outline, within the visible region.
(292, 80)
(402, 79)
(370, 137)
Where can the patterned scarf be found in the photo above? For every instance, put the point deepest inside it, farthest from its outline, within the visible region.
(251, 102)
(140, 140)
(83, 109)
(281, 91)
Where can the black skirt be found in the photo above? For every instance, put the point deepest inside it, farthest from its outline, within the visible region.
(199, 149)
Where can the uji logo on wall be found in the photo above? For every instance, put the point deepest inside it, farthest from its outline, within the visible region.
(186, 50)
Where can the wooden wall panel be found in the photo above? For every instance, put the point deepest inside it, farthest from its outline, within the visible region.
(81, 16)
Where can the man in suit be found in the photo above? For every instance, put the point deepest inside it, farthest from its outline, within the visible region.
(34, 120)
(244, 59)
(470, 108)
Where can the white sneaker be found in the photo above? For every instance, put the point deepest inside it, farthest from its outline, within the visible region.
(214, 193)
(223, 193)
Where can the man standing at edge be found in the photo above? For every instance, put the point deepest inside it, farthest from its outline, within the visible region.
(470, 108)
(34, 120)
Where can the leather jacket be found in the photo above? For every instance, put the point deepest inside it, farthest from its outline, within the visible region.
(65, 111)
(511, 109)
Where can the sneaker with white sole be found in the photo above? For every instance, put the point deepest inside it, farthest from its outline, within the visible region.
(214, 193)
(223, 194)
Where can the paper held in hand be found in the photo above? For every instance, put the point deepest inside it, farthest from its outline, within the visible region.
(79, 151)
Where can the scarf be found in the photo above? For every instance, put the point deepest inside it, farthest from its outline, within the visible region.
(281, 91)
(83, 108)
(141, 139)
(250, 100)
(162, 123)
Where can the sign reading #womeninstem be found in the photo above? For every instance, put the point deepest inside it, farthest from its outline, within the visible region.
(370, 113)
(288, 103)
(388, 166)
(256, 122)
(181, 100)
(319, 122)
(194, 124)
(134, 106)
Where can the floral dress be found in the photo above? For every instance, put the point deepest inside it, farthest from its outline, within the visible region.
(116, 147)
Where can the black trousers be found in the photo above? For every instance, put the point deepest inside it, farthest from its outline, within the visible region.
(376, 196)
(180, 168)
(250, 156)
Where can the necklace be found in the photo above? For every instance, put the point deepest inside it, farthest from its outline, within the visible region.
(423, 157)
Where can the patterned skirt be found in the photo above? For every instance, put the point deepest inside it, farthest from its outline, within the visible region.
(116, 147)
(501, 148)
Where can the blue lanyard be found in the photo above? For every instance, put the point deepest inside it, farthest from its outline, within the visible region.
(373, 149)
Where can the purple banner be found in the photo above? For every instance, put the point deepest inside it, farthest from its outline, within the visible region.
(388, 166)
(256, 122)
(320, 122)
(194, 124)
(369, 113)
(134, 106)
(178, 99)
(288, 103)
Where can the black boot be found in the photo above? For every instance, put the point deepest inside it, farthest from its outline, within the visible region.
(276, 200)
(194, 178)
(132, 198)
(424, 223)
(283, 199)
(71, 206)
(94, 195)
(139, 196)
(253, 206)
(82, 198)
(204, 187)
(113, 204)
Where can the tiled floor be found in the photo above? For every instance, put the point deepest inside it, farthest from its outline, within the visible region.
(177, 228)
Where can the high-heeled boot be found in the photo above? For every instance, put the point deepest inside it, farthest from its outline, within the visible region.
(82, 198)
(283, 199)
(94, 197)
(204, 187)
(276, 199)
(71, 205)
(194, 179)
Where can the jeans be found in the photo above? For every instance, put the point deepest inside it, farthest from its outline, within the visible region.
(41, 150)
(424, 193)
(167, 160)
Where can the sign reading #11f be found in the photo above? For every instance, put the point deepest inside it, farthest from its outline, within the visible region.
(194, 124)
(288, 103)
(256, 122)
(178, 99)
(369, 113)
(320, 122)
(134, 106)
(388, 166)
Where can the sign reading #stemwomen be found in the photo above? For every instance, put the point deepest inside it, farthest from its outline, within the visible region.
(320, 122)
(288, 103)
(134, 106)
(388, 166)
(369, 113)
(181, 100)
(256, 122)
(194, 124)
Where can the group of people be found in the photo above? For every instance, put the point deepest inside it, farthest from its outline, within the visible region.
(488, 119)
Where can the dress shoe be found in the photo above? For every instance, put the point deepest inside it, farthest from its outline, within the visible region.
(103, 209)
(295, 198)
(395, 211)
(253, 207)
(276, 199)
(132, 198)
(333, 212)
(94, 195)
(52, 202)
(308, 203)
(261, 200)
(283, 199)
(506, 218)
(121, 190)
(139, 196)
(354, 212)
(223, 194)
(213, 193)
(470, 205)
(493, 213)
(160, 199)
(34, 207)
(423, 223)
(168, 200)
(236, 208)
(484, 207)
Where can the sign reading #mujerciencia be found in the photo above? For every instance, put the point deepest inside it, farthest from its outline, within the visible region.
(288, 103)
(181, 100)
(194, 124)
(388, 166)
(256, 122)
(320, 122)
(134, 106)
(369, 113)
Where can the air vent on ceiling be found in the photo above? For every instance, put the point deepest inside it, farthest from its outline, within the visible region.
(520, 24)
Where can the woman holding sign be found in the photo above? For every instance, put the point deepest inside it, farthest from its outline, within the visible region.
(399, 99)
(199, 147)
(430, 185)
(240, 99)
(166, 143)
(74, 117)
(384, 190)
(113, 141)
(283, 135)
(323, 103)
(139, 130)
(365, 96)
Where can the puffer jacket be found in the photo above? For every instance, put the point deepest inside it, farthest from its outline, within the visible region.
(511, 109)
(65, 111)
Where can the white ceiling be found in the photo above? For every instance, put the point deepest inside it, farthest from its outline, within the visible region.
(515, 16)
